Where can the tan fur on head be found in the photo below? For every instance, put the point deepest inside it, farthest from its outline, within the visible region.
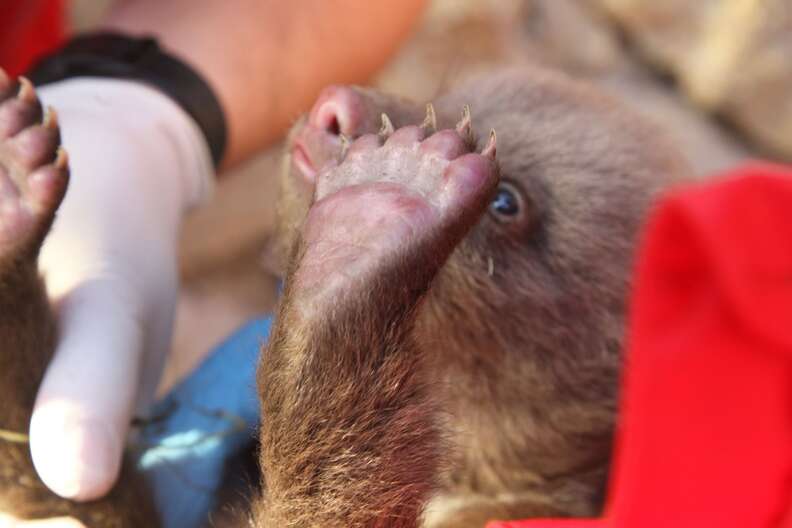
(520, 333)
(528, 317)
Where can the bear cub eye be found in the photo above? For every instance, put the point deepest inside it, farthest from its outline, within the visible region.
(507, 203)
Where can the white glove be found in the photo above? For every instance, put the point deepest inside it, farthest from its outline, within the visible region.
(138, 162)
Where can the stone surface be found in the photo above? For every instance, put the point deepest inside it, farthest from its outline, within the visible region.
(730, 57)
(460, 38)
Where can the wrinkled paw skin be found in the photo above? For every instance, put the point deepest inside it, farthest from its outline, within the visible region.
(33, 169)
(412, 190)
(33, 179)
(343, 112)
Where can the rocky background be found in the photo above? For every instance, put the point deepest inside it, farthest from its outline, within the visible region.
(716, 73)
(731, 58)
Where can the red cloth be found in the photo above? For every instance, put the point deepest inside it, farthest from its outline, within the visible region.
(706, 423)
(28, 30)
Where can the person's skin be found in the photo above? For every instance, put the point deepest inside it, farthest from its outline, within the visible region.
(267, 60)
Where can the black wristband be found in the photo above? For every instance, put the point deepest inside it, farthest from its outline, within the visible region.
(119, 56)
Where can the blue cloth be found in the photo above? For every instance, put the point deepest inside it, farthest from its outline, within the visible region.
(204, 421)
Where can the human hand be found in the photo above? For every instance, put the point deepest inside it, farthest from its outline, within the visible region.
(137, 163)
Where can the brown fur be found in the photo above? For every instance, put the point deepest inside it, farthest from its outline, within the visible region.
(27, 334)
(27, 340)
(492, 395)
(454, 391)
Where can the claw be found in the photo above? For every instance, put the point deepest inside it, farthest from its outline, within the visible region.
(387, 127)
(50, 118)
(430, 121)
(463, 128)
(345, 142)
(490, 148)
(61, 159)
(26, 91)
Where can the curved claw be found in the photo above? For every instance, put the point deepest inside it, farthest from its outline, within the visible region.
(464, 127)
(345, 142)
(490, 148)
(26, 91)
(50, 118)
(387, 127)
(62, 159)
(430, 121)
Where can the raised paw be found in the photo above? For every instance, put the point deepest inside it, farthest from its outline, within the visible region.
(33, 169)
(410, 190)
(435, 167)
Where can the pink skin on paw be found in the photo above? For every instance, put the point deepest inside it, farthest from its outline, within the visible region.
(348, 229)
(446, 144)
(19, 107)
(15, 115)
(34, 146)
(406, 136)
(383, 198)
(32, 177)
(467, 176)
(46, 186)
